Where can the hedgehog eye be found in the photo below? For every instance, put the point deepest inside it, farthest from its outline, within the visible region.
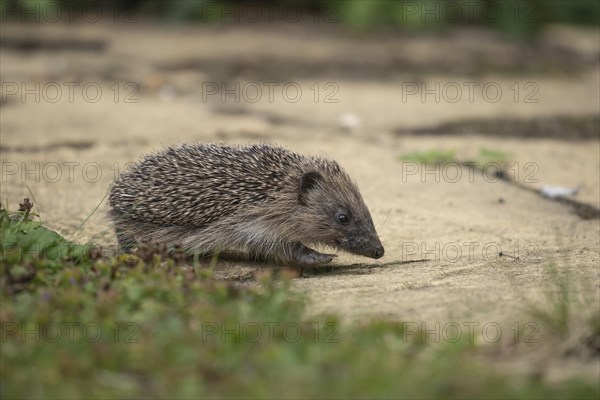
(343, 218)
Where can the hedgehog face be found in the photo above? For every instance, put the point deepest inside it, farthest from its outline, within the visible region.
(357, 234)
(332, 212)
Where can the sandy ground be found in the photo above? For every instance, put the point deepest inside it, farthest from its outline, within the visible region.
(442, 231)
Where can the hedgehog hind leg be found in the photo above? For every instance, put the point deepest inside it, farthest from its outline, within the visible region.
(127, 242)
(123, 229)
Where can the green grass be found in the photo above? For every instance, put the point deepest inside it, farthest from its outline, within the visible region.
(570, 314)
(143, 327)
(430, 157)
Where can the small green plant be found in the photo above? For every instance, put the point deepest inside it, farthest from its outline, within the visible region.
(430, 157)
(25, 240)
(487, 155)
(483, 157)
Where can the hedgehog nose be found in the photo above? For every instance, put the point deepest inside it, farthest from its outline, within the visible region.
(379, 251)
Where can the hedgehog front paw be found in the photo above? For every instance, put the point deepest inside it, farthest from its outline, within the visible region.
(322, 258)
(311, 257)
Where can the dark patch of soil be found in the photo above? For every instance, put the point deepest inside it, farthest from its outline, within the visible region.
(556, 127)
(28, 44)
(80, 145)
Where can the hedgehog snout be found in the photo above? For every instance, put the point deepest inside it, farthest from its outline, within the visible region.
(378, 252)
(374, 251)
(371, 251)
(363, 246)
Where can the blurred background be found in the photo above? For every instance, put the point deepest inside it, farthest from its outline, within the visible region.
(498, 15)
(472, 128)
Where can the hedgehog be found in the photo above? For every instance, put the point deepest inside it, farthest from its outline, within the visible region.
(262, 201)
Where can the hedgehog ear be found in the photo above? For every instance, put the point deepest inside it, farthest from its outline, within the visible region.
(307, 183)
